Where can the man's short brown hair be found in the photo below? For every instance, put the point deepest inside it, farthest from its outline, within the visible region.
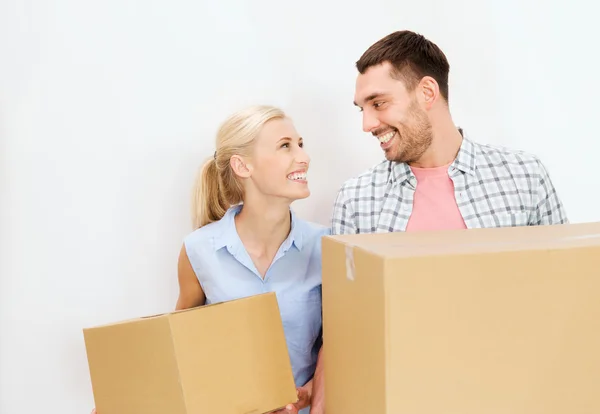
(412, 57)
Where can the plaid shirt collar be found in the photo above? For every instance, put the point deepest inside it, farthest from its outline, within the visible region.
(466, 161)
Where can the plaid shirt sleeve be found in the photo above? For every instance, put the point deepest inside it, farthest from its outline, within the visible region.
(342, 221)
(549, 207)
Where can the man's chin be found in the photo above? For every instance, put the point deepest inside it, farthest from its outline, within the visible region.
(391, 154)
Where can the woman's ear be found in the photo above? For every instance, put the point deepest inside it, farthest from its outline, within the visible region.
(240, 167)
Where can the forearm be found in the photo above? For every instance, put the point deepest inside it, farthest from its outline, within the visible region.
(318, 388)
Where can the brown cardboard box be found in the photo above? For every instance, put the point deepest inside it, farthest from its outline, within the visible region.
(226, 358)
(488, 321)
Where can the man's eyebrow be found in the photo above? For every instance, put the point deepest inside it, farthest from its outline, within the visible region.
(370, 97)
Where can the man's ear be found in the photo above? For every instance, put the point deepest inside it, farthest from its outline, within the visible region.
(240, 167)
(429, 91)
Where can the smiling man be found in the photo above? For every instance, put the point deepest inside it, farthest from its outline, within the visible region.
(434, 177)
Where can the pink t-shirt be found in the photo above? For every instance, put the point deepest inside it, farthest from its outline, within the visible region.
(434, 206)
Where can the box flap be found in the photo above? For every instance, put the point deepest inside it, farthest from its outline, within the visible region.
(233, 357)
(133, 368)
(434, 243)
(512, 332)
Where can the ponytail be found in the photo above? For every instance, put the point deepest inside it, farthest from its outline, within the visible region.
(208, 201)
(217, 187)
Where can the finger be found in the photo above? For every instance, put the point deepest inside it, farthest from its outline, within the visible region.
(302, 398)
(290, 408)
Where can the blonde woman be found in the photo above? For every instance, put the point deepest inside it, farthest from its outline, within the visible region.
(248, 241)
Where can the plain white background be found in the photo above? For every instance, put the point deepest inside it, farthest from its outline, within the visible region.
(108, 108)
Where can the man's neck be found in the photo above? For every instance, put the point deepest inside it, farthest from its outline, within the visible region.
(446, 143)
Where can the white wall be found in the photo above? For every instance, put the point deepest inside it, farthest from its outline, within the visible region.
(108, 108)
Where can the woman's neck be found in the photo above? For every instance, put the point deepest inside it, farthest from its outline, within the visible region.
(263, 227)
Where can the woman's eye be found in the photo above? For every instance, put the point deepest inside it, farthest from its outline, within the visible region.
(285, 145)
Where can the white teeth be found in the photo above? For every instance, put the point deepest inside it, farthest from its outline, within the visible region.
(297, 176)
(385, 138)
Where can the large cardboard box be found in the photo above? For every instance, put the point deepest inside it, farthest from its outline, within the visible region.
(490, 321)
(225, 358)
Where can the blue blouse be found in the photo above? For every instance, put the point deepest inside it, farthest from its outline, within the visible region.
(226, 272)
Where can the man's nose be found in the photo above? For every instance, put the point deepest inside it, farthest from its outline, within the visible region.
(370, 122)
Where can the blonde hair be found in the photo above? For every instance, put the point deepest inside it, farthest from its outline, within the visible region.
(217, 188)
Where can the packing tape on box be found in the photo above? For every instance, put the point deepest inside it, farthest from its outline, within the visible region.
(350, 262)
(584, 236)
(494, 243)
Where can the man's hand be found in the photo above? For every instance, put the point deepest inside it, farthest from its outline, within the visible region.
(304, 396)
(317, 405)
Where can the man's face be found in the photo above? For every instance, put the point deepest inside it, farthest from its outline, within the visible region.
(393, 114)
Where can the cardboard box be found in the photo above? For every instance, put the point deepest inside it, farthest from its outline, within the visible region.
(490, 321)
(225, 358)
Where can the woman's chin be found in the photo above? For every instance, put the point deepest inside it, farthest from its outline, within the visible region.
(300, 194)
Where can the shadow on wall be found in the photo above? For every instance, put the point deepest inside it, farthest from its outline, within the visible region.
(316, 121)
(338, 149)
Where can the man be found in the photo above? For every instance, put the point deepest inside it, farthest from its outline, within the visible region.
(434, 177)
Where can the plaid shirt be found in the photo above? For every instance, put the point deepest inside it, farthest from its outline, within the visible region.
(493, 186)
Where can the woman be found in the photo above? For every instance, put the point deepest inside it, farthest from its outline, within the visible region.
(248, 241)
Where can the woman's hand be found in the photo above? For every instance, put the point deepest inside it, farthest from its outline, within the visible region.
(304, 395)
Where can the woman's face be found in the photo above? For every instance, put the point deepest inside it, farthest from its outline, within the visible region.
(279, 164)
